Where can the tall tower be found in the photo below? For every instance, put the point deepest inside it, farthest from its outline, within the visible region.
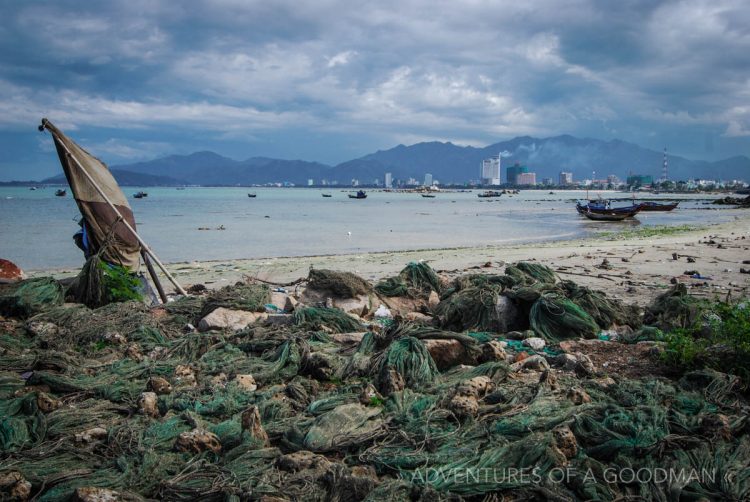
(665, 176)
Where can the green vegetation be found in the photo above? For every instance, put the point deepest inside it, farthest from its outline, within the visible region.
(720, 340)
(654, 231)
(119, 283)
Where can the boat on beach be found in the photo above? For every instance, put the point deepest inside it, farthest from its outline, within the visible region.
(606, 216)
(360, 195)
(656, 206)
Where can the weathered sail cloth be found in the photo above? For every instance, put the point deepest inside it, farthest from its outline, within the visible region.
(102, 221)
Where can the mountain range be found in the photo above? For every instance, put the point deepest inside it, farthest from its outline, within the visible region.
(448, 163)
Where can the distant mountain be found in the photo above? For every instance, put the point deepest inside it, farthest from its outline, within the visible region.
(546, 157)
(128, 178)
(448, 163)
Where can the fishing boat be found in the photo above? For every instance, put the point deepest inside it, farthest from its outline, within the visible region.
(428, 196)
(140, 195)
(605, 217)
(326, 195)
(61, 192)
(252, 195)
(489, 193)
(360, 195)
(32, 188)
(604, 207)
(655, 206)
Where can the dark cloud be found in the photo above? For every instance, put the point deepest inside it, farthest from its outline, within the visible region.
(330, 80)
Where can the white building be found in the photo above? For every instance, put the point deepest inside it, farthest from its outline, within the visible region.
(566, 178)
(310, 182)
(428, 180)
(388, 180)
(490, 171)
(526, 179)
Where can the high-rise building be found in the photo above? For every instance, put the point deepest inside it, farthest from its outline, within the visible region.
(388, 180)
(526, 178)
(513, 172)
(490, 171)
(547, 181)
(428, 180)
(310, 182)
(566, 178)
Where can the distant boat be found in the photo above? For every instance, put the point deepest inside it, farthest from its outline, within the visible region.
(32, 188)
(428, 196)
(252, 195)
(180, 188)
(140, 195)
(326, 195)
(655, 206)
(61, 192)
(360, 195)
(490, 193)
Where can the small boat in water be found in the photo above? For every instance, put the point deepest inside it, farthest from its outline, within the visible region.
(61, 192)
(428, 196)
(140, 195)
(655, 206)
(32, 188)
(360, 195)
(490, 193)
(252, 195)
(326, 195)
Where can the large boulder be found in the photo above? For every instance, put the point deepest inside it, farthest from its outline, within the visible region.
(448, 353)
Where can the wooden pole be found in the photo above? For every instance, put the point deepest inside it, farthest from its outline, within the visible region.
(119, 215)
(154, 277)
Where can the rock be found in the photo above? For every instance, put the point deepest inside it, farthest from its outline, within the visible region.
(578, 396)
(433, 300)
(506, 315)
(90, 435)
(147, 404)
(448, 353)
(10, 272)
(584, 365)
(604, 382)
(347, 338)
(359, 305)
(134, 352)
(319, 365)
(184, 376)
(369, 394)
(246, 382)
(252, 424)
(47, 403)
(565, 441)
(464, 406)
(492, 351)
(476, 387)
(519, 335)
(43, 329)
(535, 343)
(222, 318)
(159, 385)
(535, 362)
(418, 317)
(219, 381)
(114, 338)
(14, 487)
(197, 441)
(393, 382)
(95, 494)
(301, 461)
(567, 362)
(279, 300)
(280, 320)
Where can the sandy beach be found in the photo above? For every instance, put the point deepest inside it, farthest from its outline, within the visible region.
(640, 262)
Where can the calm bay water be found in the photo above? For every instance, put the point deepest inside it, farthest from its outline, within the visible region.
(36, 227)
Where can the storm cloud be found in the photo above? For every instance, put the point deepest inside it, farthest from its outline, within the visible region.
(332, 80)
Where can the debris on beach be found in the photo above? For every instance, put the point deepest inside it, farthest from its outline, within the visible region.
(309, 393)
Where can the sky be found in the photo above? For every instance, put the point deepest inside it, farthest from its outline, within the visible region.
(330, 80)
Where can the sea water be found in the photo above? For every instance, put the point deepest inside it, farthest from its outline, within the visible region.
(36, 227)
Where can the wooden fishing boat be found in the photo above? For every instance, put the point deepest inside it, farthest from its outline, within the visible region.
(490, 193)
(360, 195)
(605, 217)
(428, 196)
(605, 208)
(655, 206)
(326, 195)
(252, 195)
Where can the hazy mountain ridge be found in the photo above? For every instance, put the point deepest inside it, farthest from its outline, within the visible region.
(447, 163)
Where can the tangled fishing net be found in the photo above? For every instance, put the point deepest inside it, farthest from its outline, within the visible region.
(416, 280)
(124, 398)
(338, 284)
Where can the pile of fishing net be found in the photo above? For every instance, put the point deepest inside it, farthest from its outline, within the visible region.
(338, 284)
(32, 296)
(321, 407)
(416, 280)
(674, 309)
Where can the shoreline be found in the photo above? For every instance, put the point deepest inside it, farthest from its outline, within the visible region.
(636, 261)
